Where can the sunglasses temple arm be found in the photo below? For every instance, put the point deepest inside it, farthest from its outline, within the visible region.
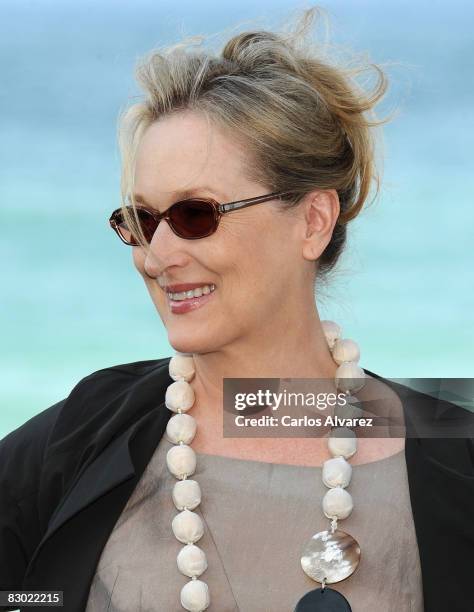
(223, 208)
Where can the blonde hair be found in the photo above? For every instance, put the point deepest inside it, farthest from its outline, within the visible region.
(305, 120)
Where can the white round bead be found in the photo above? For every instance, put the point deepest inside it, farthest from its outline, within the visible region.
(337, 472)
(187, 527)
(186, 494)
(344, 444)
(179, 396)
(181, 367)
(332, 331)
(350, 377)
(181, 460)
(181, 428)
(195, 596)
(345, 350)
(337, 503)
(191, 560)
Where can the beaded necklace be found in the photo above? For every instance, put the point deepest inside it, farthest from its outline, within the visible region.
(329, 556)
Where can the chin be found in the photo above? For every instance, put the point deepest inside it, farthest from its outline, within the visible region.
(186, 343)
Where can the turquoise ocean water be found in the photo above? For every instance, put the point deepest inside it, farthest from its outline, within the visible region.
(71, 301)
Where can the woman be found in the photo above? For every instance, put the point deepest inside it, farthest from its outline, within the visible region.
(89, 496)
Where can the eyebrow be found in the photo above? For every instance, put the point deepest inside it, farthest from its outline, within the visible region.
(176, 196)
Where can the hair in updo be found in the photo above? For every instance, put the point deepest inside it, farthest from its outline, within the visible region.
(305, 120)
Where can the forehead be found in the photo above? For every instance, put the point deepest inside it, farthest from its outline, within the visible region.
(183, 151)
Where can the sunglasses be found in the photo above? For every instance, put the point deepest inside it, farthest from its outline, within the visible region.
(190, 219)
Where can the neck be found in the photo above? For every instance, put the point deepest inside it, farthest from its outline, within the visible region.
(300, 353)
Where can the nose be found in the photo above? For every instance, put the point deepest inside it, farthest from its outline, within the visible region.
(165, 250)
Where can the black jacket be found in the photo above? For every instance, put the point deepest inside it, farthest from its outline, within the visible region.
(67, 473)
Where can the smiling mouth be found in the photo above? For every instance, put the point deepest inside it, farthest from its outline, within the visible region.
(198, 292)
(188, 301)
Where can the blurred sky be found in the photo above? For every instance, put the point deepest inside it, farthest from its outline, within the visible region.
(71, 301)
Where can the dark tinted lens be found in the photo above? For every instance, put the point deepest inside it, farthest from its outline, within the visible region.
(147, 223)
(193, 218)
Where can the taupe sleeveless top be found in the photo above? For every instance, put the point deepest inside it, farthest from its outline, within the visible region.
(257, 519)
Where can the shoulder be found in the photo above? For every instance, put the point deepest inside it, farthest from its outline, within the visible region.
(66, 425)
(40, 459)
(106, 381)
(437, 430)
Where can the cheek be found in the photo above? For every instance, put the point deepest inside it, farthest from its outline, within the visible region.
(249, 281)
(255, 260)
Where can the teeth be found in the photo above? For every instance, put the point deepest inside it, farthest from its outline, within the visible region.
(186, 295)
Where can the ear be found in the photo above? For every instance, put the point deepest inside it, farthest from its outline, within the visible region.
(321, 211)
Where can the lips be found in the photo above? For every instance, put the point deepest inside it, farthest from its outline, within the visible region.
(189, 304)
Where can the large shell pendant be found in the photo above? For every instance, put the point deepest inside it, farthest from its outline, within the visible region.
(330, 556)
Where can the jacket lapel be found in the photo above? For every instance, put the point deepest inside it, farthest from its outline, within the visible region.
(107, 471)
(67, 555)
